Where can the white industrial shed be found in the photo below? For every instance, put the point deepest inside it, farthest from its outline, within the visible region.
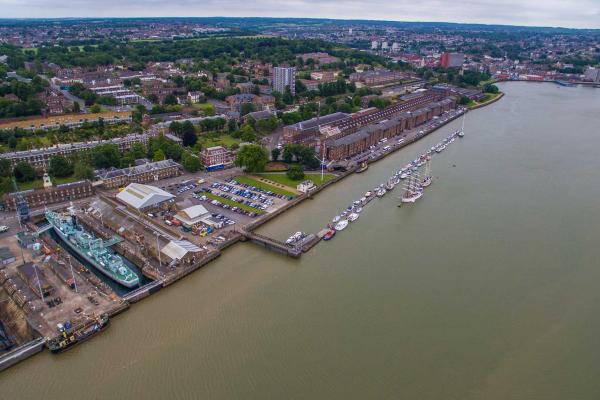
(141, 196)
(193, 215)
(178, 249)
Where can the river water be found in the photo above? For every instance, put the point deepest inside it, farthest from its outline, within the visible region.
(487, 288)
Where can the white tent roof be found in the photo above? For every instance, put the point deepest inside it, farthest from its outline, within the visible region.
(194, 212)
(177, 249)
(141, 196)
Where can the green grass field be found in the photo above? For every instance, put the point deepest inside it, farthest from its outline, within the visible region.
(265, 186)
(233, 203)
(225, 141)
(488, 98)
(284, 180)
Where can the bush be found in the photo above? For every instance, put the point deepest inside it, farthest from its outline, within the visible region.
(296, 173)
(24, 172)
(489, 88)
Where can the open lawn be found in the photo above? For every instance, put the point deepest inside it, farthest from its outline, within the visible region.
(224, 140)
(489, 97)
(232, 203)
(265, 186)
(284, 180)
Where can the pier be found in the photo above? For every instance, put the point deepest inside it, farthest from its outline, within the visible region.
(272, 244)
(564, 83)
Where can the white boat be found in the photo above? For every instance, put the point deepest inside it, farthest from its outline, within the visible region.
(340, 226)
(461, 133)
(358, 210)
(427, 178)
(389, 185)
(353, 217)
(413, 192)
(336, 219)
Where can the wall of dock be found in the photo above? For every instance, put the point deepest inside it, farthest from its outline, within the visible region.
(21, 353)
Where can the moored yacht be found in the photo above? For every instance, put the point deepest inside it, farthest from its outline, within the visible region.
(340, 226)
(427, 178)
(353, 217)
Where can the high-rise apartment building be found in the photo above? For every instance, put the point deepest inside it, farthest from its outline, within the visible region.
(284, 76)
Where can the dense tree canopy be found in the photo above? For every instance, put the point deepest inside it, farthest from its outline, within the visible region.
(252, 157)
(106, 156)
(60, 167)
(24, 172)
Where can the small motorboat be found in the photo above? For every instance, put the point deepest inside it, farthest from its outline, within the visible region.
(340, 226)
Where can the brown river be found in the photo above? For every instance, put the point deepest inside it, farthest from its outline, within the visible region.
(486, 288)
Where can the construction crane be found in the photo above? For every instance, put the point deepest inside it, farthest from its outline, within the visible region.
(20, 204)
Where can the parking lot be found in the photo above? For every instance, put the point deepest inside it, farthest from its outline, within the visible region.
(230, 204)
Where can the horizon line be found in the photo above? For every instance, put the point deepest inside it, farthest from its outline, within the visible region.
(302, 18)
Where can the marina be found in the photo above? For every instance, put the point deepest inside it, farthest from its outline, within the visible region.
(410, 173)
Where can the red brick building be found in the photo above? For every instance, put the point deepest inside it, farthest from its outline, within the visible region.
(338, 148)
(216, 157)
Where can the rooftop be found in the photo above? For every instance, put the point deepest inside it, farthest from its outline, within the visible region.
(141, 196)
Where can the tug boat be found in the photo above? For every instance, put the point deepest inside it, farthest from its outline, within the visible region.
(329, 234)
(363, 167)
(70, 337)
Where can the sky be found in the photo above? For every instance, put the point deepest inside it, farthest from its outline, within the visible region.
(562, 13)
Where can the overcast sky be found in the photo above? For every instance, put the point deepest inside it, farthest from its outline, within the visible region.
(564, 13)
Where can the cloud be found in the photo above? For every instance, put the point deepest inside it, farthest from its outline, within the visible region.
(573, 13)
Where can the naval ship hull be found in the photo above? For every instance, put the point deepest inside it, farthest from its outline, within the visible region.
(89, 259)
